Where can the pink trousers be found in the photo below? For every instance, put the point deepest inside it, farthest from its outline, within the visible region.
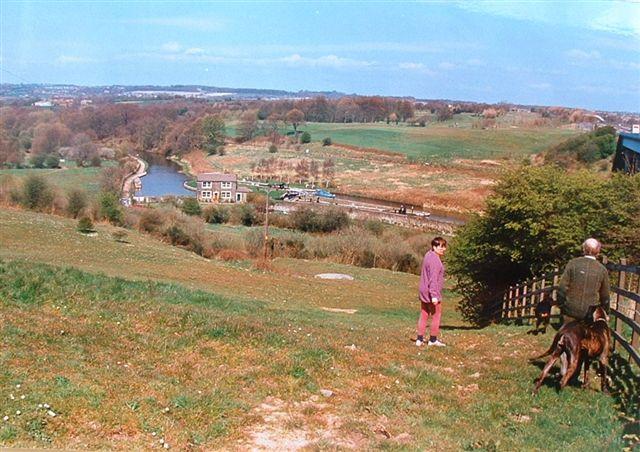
(426, 310)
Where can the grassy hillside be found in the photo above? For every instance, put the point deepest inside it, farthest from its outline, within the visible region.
(142, 341)
(438, 141)
(67, 178)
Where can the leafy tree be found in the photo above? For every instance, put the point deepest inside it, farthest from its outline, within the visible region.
(305, 138)
(77, 202)
(110, 208)
(536, 220)
(248, 126)
(191, 206)
(294, 117)
(213, 131)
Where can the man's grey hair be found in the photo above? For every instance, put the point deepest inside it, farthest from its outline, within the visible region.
(591, 247)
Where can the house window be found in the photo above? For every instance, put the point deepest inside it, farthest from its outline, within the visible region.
(225, 185)
(226, 195)
(206, 184)
(206, 194)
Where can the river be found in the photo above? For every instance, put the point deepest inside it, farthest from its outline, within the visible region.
(163, 178)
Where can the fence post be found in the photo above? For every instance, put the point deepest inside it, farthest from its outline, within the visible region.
(554, 290)
(533, 302)
(622, 276)
(510, 302)
(505, 302)
(523, 300)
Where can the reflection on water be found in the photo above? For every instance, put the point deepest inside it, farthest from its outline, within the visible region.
(162, 178)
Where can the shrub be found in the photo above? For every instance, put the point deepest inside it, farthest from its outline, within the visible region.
(536, 220)
(119, 235)
(38, 160)
(191, 206)
(216, 214)
(36, 193)
(326, 141)
(305, 137)
(95, 161)
(248, 215)
(151, 220)
(177, 236)
(273, 149)
(52, 161)
(85, 225)
(77, 201)
(307, 219)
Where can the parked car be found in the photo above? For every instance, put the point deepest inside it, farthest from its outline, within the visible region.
(323, 194)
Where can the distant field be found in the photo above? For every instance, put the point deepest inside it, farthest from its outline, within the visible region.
(141, 341)
(441, 141)
(85, 178)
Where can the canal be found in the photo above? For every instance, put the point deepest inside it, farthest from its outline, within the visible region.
(163, 178)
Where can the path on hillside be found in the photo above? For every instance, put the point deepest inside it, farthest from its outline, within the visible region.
(131, 179)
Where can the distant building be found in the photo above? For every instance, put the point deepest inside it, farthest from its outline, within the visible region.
(43, 104)
(220, 187)
(627, 158)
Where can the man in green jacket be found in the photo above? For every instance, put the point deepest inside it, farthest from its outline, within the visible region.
(584, 283)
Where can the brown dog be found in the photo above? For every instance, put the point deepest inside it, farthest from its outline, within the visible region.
(579, 342)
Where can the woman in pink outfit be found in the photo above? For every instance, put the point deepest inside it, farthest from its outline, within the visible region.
(430, 292)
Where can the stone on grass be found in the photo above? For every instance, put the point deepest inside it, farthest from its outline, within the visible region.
(326, 392)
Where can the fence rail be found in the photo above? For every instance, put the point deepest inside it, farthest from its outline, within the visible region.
(518, 303)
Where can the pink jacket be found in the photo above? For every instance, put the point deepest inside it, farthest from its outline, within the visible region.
(431, 277)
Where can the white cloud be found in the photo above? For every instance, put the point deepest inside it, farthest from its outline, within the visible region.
(323, 61)
(620, 18)
(173, 47)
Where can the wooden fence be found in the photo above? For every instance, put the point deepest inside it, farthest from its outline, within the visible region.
(519, 302)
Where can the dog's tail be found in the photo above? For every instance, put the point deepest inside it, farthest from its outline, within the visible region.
(557, 341)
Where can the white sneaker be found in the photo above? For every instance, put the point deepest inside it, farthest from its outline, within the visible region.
(419, 343)
(437, 343)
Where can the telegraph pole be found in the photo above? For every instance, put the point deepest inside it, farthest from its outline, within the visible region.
(266, 225)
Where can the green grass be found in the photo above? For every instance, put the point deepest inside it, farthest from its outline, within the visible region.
(122, 356)
(145, 357)
(67, 179)
(441, 140)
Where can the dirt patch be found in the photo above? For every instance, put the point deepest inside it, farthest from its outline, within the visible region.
(296, 426)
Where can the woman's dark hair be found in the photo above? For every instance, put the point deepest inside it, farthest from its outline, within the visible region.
(438, 241)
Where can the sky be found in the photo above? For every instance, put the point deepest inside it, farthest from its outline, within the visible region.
(583, 54)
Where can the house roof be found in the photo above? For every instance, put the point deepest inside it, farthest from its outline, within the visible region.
(630, 141)
(217, 177)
